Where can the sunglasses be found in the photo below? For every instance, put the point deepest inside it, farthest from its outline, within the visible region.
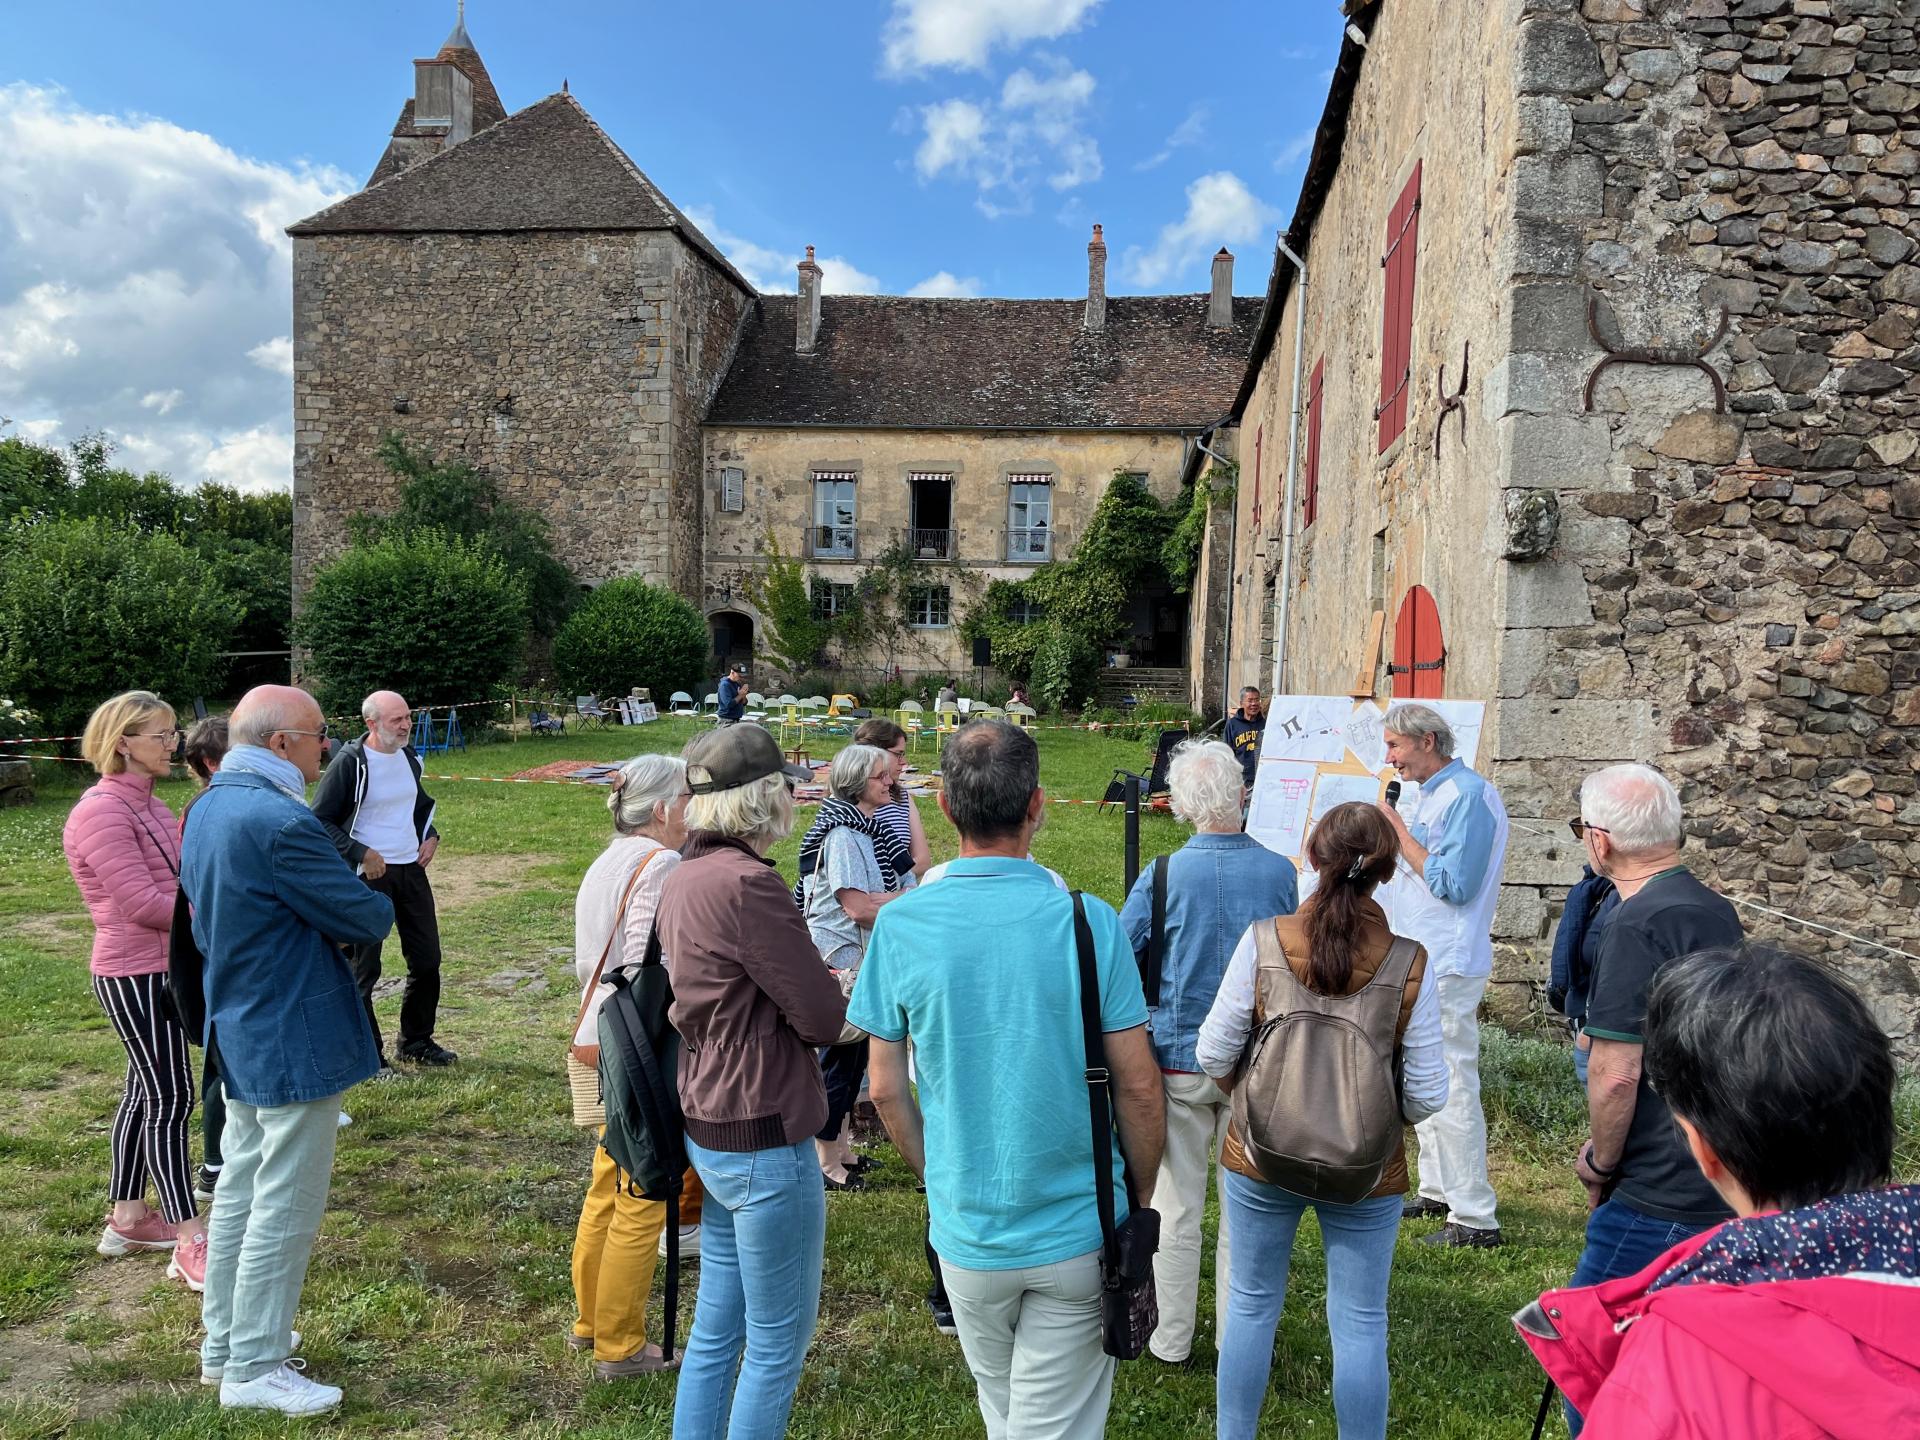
(1581, 827)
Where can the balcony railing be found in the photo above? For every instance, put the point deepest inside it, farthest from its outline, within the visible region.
(831, 542)
(1029, 545)
(925, 544)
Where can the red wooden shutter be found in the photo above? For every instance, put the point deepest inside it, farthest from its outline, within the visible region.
(1396, 326)
(1419, 666)
(1315, 390)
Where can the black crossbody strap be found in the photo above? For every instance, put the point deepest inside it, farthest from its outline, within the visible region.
(1156, 934)
(1099, 1083)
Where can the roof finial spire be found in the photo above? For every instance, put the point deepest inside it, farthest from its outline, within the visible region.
(462, 12)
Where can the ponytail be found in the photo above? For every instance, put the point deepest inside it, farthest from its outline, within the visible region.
(1353, 850)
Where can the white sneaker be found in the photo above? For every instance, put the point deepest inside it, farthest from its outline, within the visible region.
(287, 1390)
(213, 1376)
(689, 1244)
(345, 1119)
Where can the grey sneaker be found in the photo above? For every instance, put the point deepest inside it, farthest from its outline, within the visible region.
(646, 1361)
(1463, 1237)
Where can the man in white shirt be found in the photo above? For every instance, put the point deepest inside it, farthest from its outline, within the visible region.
(381, 819)
(1443, 896)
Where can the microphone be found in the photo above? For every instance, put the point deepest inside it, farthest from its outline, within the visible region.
(1393, 792)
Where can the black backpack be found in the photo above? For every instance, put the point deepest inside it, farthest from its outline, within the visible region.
(646, 1133)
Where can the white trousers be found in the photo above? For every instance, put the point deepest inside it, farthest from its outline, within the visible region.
(1453, 1143)
(1032, 1341)
(1197, 1114)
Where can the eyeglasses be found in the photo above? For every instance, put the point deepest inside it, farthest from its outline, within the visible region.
(320, 734)
(1581, 827)
(170, 736)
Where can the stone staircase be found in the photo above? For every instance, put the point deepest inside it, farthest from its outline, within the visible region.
(1148, 685)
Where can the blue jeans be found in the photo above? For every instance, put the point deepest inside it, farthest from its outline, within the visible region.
(1358, 1240)
(763, 1232)
(1623, 1241)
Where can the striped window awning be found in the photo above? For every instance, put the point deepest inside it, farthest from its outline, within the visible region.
(945, 476)
(1018, 479)
(835, 475)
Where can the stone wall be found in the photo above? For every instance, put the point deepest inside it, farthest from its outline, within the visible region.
(1729, 595)
(573, 368)
(779, 465)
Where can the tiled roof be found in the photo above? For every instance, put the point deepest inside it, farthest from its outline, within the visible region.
(547, 167)
(487, 108)
(888, 360)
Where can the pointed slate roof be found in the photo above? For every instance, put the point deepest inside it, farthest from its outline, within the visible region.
(547, 167)
(901, 362)
(487, 106)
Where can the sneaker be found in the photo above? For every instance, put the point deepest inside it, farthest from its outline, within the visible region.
(212, 1376)
(942, 1316)
(428, 1053)
(689, 1244)
(579, 1342)
(1464, 1237)
(204, 1179)
(345, 1120)
(1421, 1208)
(385, 1072)
(287, 1390)
(646, 1361)
(189, 1263)
(151, 1233)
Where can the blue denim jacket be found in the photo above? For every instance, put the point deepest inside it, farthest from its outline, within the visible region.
(1217, 885)
(271, 897)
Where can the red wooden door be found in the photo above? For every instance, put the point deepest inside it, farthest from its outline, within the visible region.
(1419, 664)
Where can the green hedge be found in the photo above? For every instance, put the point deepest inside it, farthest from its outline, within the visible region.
(629, 633)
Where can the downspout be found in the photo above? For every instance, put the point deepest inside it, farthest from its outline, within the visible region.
(1283, 602)
(1233, 560)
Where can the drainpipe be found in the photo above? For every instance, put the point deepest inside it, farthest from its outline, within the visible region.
(1284, 600)
(1233, 559)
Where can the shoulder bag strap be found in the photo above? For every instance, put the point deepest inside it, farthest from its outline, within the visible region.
(1156, 934)
(1099, 1082)
(600, 965)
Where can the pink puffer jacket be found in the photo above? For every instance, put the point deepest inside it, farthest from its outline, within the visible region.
(123, 847)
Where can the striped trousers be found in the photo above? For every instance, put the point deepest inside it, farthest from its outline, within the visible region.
(149, 1137)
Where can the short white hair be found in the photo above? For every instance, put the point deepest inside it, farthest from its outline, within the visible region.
(1206, 783)
(760, 810)
(1413, 721)
(852, 768)
(258, 719)
(641, 787)
(1635, 805)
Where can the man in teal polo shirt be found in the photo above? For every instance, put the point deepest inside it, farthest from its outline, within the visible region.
(978, 973)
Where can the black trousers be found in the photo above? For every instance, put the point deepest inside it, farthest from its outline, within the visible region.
(841, 1067)
(419, 930)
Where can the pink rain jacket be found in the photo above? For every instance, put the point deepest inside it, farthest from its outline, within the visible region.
(123, 847)
(1769, 1359)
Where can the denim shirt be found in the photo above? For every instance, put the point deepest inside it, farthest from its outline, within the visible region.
(1217, 885)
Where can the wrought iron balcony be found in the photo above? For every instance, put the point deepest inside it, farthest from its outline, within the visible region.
(925, 544)
(1030, 545)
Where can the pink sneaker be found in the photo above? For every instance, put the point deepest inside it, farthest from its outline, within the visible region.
(189, 1263)
(151, 1233)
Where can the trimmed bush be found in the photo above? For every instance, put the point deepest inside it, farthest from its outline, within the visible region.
(89, 608)
(438, 619)
(629, 633)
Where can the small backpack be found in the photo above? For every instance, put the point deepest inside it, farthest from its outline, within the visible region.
(646, 1134)
(1318, 1103)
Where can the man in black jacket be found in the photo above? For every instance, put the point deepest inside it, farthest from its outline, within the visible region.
(381, 819)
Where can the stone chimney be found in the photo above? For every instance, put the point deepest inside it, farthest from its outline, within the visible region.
(807, 313)
(1220, 306)
(1096, 281)
(442, 98)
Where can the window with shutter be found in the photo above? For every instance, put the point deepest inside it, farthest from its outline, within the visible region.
(1311, 504)
(733, 490)
(1396, 328)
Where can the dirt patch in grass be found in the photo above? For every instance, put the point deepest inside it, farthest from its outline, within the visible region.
(557, 770)
(61, 929)
(38, 1361)
(462, 880)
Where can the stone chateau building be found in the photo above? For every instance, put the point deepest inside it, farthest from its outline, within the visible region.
(1600, 381)
(514, 290)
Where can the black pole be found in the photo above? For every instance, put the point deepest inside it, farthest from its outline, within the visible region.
(1132, 783)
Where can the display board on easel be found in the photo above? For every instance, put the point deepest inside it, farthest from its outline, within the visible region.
(1319, 751)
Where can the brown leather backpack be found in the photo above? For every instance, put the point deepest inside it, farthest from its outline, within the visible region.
(1318, 1103)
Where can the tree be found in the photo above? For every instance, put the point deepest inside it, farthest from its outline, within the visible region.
(89, 608)
(456, 499)
(627, 633)
(795, 634)
(439, 619)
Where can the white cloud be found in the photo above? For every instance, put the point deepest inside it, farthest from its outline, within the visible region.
(945, 284)
(960, 34)
(1220, 211)
(133, 253)
(1033, 131)
(777, 271)
(1189, 131)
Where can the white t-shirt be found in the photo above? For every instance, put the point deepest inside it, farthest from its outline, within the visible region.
(384, 821)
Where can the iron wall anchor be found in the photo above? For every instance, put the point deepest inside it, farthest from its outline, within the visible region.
(1456, 401)
(1653, 355)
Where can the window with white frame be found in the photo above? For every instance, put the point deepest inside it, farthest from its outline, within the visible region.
(1029, 518)
(834, 509)
(1023, 611)
(830, 599)
(930, 607)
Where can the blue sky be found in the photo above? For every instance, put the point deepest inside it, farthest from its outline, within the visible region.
(149, 156)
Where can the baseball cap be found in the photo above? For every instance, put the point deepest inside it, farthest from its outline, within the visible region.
(735, 756)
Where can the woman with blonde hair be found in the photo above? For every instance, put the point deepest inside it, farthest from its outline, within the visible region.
(615, 1244)
(123, 847)
(751, 1002)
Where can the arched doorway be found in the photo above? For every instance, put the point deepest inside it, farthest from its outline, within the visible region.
(732, 636)
(1419, 667)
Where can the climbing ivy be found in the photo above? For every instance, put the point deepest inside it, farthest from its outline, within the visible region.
(1202, 496)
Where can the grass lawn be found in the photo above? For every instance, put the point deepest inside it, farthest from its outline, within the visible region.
(439, 1292)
